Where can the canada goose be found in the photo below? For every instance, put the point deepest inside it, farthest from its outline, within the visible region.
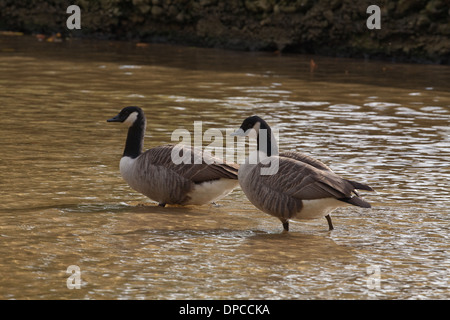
(154, 174)
(302, 188)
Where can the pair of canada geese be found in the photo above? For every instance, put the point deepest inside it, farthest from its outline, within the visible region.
(302, 188)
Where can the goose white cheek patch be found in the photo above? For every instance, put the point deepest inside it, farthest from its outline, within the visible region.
(131, 119)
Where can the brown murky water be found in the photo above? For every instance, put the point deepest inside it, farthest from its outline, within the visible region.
(65, 204)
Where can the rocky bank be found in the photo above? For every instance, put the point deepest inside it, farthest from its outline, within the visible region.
(411, 30)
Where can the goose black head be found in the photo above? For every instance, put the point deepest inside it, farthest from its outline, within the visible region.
(252, 127)
(128, 116)
(253, 122)
(134, 118)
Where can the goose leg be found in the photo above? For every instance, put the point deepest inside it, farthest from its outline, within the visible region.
(161, 204)
(330, 224)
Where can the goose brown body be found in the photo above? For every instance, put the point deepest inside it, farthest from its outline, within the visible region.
(155, 174)
(301, 188)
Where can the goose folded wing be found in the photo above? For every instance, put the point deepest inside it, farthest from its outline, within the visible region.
(305, 159)
(304, 181)
(195, 166)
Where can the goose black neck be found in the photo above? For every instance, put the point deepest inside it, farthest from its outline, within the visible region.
(266, 141)
(135, 139)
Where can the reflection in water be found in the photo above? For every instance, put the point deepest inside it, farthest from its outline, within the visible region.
(64, 202)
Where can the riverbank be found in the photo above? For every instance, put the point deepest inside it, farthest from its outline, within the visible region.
(412, 31)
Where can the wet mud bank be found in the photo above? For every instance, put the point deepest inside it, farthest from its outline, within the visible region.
(410, 30)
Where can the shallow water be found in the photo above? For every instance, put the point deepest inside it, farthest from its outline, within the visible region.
(65, 204)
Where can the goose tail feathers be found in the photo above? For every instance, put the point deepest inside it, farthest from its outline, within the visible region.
(360, 186)
(356, 201)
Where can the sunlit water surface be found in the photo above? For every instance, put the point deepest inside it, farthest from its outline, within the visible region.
(65, 204)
